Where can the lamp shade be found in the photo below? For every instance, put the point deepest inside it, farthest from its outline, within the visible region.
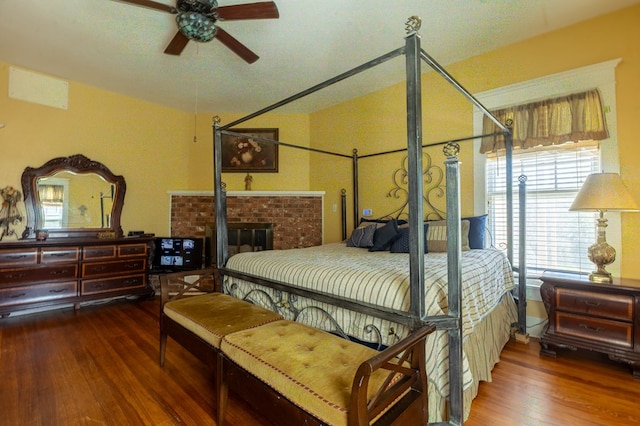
(602, 192)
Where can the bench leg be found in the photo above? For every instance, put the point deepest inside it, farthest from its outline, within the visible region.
(163, 347)
(222, 391)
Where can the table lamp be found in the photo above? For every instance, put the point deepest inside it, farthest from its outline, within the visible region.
(602, 192)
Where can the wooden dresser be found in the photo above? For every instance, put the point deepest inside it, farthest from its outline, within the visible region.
(35, 274)
(587, 315)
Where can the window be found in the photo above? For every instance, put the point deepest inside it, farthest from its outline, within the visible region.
(555, 237)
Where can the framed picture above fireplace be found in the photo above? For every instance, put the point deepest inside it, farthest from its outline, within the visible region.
(248, 154)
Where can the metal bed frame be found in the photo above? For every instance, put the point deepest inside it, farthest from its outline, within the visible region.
(452, 322)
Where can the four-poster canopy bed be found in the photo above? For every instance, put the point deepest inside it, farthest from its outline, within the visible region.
(379, 297)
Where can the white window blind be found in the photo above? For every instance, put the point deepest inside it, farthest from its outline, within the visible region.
(556, 239)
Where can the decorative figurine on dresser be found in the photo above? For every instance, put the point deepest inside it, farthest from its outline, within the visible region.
(9, 213)
(583, 314)
(72, 249)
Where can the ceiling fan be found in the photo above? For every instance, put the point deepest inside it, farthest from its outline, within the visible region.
(196, 21)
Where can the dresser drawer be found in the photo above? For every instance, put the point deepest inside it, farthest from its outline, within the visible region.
(18, 257)
(59, 254)
(614, 306)
(106, 285)
(132, 250)
(99, 252)
(37, 293)
(91, 269)
(38, 274)
(595, 329)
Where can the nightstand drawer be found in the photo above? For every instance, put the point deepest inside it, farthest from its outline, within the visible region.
(613, 306)
(595, 329)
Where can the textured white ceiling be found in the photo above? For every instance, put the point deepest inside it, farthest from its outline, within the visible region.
(119, 47)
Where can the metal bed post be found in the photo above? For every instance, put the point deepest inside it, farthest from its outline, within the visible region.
(343, 210)
(356, 196)
(454, 278)
(220, 195)
(414, 153)
(522, 335)
(508, 144)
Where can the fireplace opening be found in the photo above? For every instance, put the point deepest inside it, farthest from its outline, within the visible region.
(242, 236)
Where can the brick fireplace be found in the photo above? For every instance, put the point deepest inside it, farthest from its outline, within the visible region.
(296, 216)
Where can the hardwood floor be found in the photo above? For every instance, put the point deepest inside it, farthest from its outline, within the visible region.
(99, 366)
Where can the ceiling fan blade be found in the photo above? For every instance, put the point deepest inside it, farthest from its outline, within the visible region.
(260, 10)
(152, 5)
(236, 47)
(177, 44)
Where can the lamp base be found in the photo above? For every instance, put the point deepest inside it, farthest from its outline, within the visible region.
(599, 277)
(601, 254)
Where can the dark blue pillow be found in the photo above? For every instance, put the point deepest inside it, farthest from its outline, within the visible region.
(385, 236)
(401, 244)
(477, 225)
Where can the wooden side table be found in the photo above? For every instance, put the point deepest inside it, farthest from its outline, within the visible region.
(588, 315)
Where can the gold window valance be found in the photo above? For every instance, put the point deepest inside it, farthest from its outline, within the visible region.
(574, 117)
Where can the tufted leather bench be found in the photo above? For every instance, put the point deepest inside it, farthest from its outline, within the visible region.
(292, 373)
(323, 378)
(200, 321)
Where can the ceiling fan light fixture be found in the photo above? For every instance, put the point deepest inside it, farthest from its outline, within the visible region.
(205, 7)
(196, 26)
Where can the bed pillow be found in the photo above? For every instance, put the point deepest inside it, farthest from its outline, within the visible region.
(385, 235)
(401, 244)
(362, 236)
(477, 226)
(437, 236)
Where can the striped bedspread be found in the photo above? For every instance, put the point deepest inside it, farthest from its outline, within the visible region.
(382, 279)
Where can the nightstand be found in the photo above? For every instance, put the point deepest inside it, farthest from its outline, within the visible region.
(588, 315)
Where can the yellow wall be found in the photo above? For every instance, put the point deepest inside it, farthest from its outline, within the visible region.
(611, 36)
(153, 148)
(150, 145)
(293, 164)
(378, 120)
(377, 123)
(145, 143)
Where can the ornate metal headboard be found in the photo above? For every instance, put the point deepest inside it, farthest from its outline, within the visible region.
(434, 187)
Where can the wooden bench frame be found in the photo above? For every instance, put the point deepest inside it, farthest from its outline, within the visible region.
(402, 400)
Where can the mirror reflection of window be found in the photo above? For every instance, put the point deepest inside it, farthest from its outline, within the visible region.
(52, 200)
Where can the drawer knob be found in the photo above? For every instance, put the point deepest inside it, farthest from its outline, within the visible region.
(16, 296)
(593, 329)
(59, 290)
(591, 304)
